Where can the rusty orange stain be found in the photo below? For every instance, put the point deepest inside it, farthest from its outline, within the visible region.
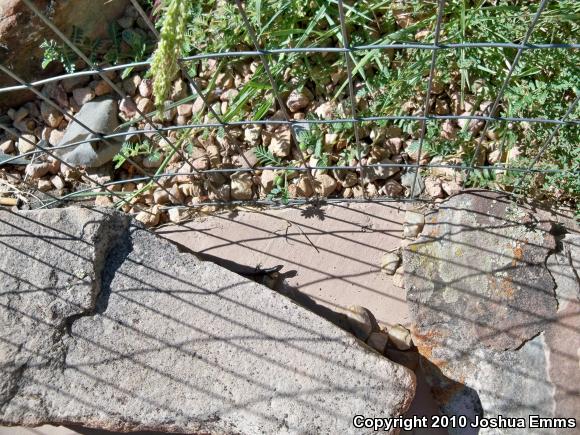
(518, 255)
(426, 343)
(507, 287)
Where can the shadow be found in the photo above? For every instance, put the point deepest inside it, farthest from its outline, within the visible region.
(455, 398)
(275, 280)
(173, 303)
(134, 294)
(87, 431)
(313, 211)
(336, 317)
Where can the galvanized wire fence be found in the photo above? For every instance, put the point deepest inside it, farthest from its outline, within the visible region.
(159, 180)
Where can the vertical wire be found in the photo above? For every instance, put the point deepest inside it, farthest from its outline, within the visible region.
(440, 8)
(352, 96)
(68, 42)
(194, 86)
(275, 90)
(83, 125)
(26, 180)
(54, 156)
(505, 83)
(547, 142)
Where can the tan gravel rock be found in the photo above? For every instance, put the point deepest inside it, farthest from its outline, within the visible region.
(242, 186)
(298, 100)
(83, 95)
(26, 143)
(280, 144)
(361, 321)
(390, 262)
(324, 184)
(7, 147)
(433, 187)
(51, 116)
(400, 337)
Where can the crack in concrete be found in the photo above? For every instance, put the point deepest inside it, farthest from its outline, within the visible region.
(110, 232)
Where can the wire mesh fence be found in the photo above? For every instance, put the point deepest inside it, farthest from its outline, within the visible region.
(144, 188)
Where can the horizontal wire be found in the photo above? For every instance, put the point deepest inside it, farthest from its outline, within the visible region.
(354, 120)
(250, 53)
(303, 169)
(513, 64)
(432, 68)
(574, 122)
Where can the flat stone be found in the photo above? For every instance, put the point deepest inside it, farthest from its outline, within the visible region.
(105, 325)
(563, 336)
(484, 307)
(333, 272)
(100, 116)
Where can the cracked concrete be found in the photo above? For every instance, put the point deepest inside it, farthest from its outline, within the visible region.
(159, 340)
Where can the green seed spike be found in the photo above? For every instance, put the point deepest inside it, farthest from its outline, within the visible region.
(165, 62)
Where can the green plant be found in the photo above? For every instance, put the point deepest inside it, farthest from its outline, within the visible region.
(280, 190)
(63, 54)
(172, 44)
(266, 158)
(131, 150)
(393, 81)
(53, 52)
(481, 178)
(311, 140)
(139, 46)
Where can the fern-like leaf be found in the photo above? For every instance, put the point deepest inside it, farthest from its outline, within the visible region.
(265, 157)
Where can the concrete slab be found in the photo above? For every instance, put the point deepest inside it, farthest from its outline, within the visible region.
(332, 254)
(108, 326)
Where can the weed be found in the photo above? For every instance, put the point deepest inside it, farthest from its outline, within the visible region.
(131, 150)
(63, 54)
(266, 158)
(280, 190)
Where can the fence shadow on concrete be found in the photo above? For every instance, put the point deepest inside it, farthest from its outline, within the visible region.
(180, 291)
